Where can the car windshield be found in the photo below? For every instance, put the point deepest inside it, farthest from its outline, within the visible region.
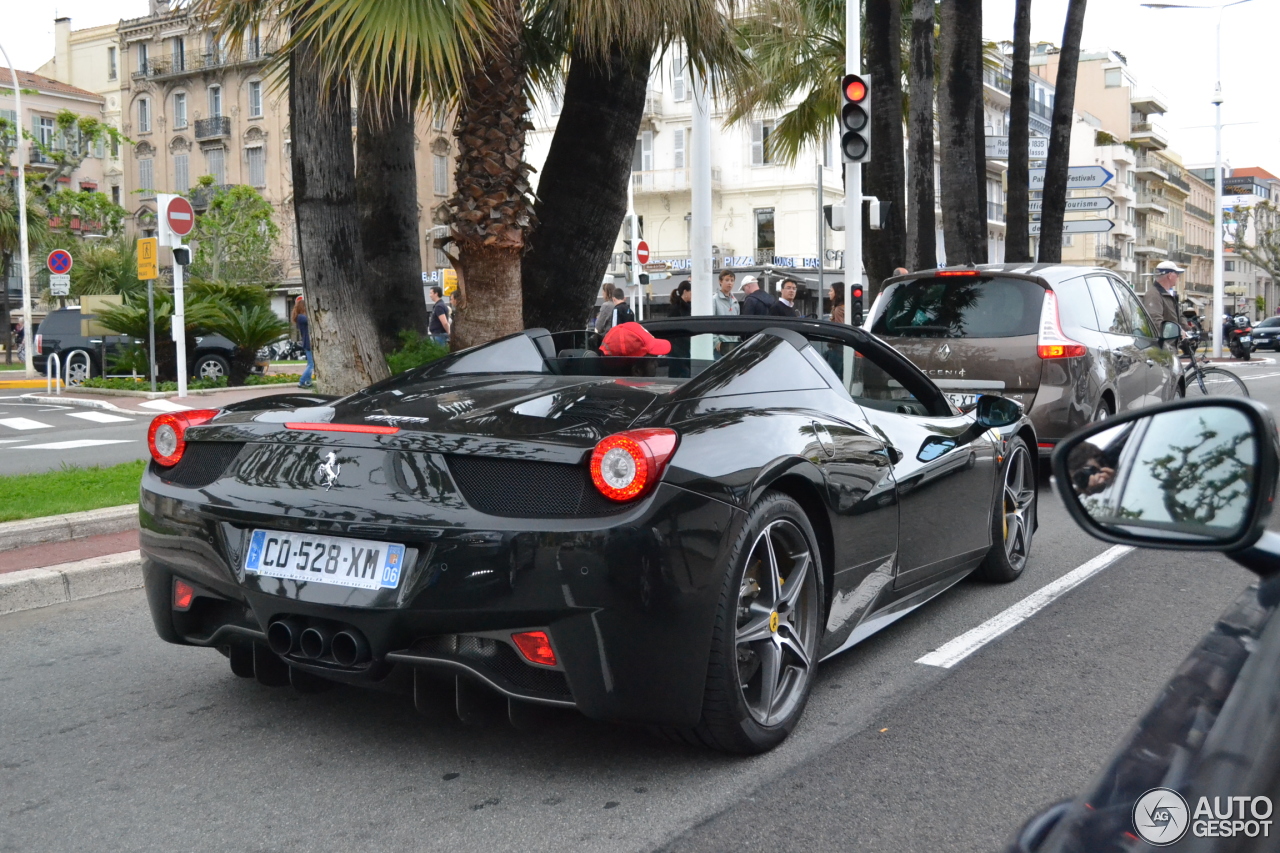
(959, 307)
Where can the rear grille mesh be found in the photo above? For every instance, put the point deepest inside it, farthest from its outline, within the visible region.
(201, 464)
(499, 659)
(515, 488)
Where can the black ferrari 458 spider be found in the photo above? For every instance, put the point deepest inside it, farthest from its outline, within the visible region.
(675, 540)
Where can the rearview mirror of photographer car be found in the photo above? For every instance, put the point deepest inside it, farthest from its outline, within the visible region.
(1189, 475)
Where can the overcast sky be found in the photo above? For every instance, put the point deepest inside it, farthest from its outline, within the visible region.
(1172, 51)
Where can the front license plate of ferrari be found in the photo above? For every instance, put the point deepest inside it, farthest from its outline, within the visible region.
(356, 563)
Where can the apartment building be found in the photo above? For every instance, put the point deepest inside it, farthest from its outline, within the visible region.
(1197, 232)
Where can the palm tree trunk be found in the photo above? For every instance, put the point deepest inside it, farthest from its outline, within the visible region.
(343, 334)
(582, 194)
(1017, 245)
(885, 174)
(491, 209)
(964, 196)
(1054, 208)
(387, 194)
(922, 249)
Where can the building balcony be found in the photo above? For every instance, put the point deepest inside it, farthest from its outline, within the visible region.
(1146, 244)
(39, 158)
(1149, 203)
(1149, 135)
(1199, 213)
(1175, 179)
(216, 127)
(1199, 251)
(201, 196)
(1149, 167)
(146, 194)
(652, 103)
(1149, 101)
(668, 181)
(995, 212)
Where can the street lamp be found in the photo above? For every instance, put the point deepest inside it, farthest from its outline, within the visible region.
(28, 334)
(1217, 169)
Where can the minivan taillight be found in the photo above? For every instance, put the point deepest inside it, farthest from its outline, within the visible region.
(167, 436)
(1053, 341)
(39, 344)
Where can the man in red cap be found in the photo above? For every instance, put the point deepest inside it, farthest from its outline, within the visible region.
(631, 340)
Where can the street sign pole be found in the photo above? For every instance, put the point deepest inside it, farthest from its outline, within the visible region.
(151, 329)
(148, 269)
(852, 177)
(176, 220)
(700, 303)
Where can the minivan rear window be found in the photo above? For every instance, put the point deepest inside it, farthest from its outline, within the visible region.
(960, 307)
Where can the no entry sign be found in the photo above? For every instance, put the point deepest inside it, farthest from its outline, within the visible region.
(59, 261)
(180, 217)
(642, 252)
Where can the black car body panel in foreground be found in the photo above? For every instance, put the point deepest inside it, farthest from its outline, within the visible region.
(486, 485)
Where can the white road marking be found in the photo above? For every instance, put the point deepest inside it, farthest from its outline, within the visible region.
(1263, 376)
(74, 445)
(13, 440)
(165, 406)
(99, 417)
(23, 423)
(961, 647)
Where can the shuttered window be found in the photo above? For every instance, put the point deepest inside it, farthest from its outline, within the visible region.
(146, 174)
(181, 173)
(257, 159)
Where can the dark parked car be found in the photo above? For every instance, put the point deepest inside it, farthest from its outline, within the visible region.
(59, 334)
(1071, 344)
(1196, 475)
(1266, 334)
(648, 539)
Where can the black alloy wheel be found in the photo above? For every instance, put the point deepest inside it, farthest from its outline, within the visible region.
(765, 643)
(1013, 520)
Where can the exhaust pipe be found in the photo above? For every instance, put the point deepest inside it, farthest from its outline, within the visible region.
(283, 635)
(349, 648)
(314, 642)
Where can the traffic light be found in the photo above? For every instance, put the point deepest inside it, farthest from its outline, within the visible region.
(855, 118)
(855, 296)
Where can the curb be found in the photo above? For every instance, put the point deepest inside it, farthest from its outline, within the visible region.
(61, 528)
(33, 588)
(72, 401)
(164, 395)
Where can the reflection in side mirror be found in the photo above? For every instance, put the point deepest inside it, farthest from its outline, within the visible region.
(993, 411)
(1170, 331)
(1191, 474)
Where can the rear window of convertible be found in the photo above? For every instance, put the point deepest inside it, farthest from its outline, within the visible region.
(960, 307)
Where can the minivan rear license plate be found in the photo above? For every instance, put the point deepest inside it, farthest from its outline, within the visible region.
(335, 560)
(964, 402)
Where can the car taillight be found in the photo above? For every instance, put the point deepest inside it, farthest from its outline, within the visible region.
(536, 647)
(166, 439)
(39, 344)
(626, 465)
(1053, 342)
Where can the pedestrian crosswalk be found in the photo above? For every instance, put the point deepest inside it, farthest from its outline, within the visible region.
(100, 417)
(29, 427)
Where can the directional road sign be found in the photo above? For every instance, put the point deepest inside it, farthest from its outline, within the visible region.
(1076, 204)
(998, 148)
(180, 216)
(59, 261)
(642, 252)
(148, 257)
(1078, 178)
(59, 284)
(1080, 226)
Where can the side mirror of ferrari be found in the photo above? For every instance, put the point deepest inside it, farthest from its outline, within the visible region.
(994, 412)
(1190, 475)
(1170, 331)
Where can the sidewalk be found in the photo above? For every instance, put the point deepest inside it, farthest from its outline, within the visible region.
(141, 406)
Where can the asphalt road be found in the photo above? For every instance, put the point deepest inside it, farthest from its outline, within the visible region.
(43, 437)
(112, 740)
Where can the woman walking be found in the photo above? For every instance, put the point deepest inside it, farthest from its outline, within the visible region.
(299, 316)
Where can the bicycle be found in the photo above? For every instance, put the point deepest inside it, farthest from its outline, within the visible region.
(1200, 381)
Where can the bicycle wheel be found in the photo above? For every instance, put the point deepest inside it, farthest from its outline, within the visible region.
(1215, 382)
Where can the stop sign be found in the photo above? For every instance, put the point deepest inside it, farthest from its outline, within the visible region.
(642, 252)
(180, 216)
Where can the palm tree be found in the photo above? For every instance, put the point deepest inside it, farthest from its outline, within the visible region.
(1018, 238)
(10, 246)
(922, 250)
(885, 175)
(960, 133)
(1054, 206)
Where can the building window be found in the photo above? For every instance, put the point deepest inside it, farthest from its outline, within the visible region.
(257, 158)
(442, 260)
(253, 43)
(112, 73)
(146, 175)
(44, 131)
(255, 99)
(1229, 266)
(440, 173)
(215, 101)
(1113, 78)
(681, 143)
(115, 195)
(181, 173)
(216, 163)
(144, 115)
(679, 90)
(179, 110)
(142, 57)
(642, 158)
(179, 54)
(760, 133)
(765, 244)
(437, 121)
(115, 148)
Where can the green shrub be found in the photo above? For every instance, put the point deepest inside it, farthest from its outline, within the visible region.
(414, 351)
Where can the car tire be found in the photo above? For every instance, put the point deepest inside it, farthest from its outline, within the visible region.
(1104, 411)
(1013, 516)
(82, 366)
(211, 367)
(747, 709)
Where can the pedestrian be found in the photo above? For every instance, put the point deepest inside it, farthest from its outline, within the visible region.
(757, 301)
(897, 271)
(438, 329)
(614, 312)
(299, 317)
(723, 304)
(1161, 299)
(681, 300)
(837, 302)
(601, 322)
(785, 304)
(681, 306)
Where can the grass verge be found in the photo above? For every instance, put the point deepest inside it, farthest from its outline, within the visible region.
(69, 489)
